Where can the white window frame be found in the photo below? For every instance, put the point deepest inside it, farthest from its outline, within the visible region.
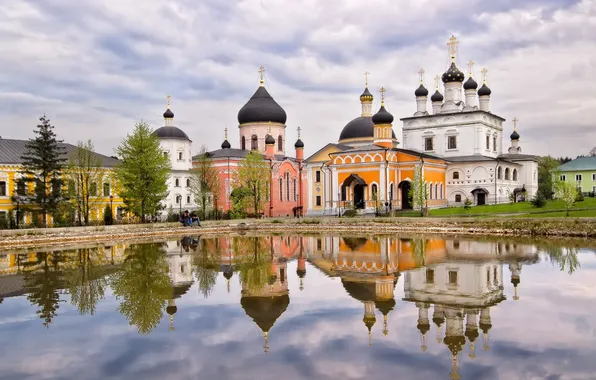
(578, 177)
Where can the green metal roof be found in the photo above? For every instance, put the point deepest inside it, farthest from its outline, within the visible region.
(582, 163)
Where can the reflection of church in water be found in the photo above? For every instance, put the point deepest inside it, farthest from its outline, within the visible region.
(454, 284)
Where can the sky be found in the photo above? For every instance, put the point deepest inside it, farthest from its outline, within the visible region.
(96, 68)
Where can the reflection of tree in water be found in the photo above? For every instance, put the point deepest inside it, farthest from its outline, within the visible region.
(565, 257)
(253, 260)
(43, 284)
(419, 251)
(87, 282)
(143, 285)
(354, 243)
(206, 265)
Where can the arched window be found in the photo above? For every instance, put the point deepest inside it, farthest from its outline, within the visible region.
(499, 173)
(441, 192)
(430, 192)
(515, 174)
(436, 191)
(188, 199)
(507, 174)
(254, 142)
(391, 192)
(177, 182)
(455, 175)
(374, 190)
(188, 182)
(287, 186)
(280, 143)
(281, 190)
(243, 143)
(458, 198)
(295, 189)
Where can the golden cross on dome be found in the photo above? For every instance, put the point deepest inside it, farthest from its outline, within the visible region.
(470, 66)
(225, 133)
(168, 98)
(515, 120)
(366, 77)
(269, 129)
(298, 129)
(484, 71)
(261, 74)
(453, 42)
(437, 79)
(382, 91)
(421, 73)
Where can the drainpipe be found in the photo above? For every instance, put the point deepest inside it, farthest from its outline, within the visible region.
(387, 201)
(496, 178)
(270, 187)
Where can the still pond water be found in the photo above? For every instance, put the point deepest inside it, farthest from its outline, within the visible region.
(299, 307)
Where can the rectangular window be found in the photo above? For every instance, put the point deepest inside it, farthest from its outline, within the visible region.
(562, 178)
(93, 189)
(3, 191)
(430, 276)
(180, 156)
(106, 189)
(319, 244)
(495, 144)
(593, 177)
(452, 142)
(428, 143)
(452, 277)
(318, 200)
(578, 177)
(318, 176)
(487, 142)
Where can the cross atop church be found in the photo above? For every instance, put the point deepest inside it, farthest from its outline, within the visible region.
(168, 99)
(515, 120)
(366, 77)
(470, 66)
(225, 133)
(269, 129)
(262, 74)
(453, 42)
(437, 79)
(484, 71)
(298, 129)
(382, 91)
(421, 73)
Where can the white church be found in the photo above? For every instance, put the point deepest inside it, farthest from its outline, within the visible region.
(461, 129)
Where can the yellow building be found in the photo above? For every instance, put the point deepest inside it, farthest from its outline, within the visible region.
(102, 189)
(366, 170)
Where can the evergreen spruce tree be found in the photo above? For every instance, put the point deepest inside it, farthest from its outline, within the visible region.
(43, 163)
(143, 171)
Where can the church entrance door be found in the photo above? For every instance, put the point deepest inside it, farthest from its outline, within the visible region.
(481, 199)
(359, 196)
(480, 196)
(406, 201)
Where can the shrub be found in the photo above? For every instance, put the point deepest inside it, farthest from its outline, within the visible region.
(276, 221)
(350, 213)
(468, 204)
(580, 196)
(538, 201)
(108, 218)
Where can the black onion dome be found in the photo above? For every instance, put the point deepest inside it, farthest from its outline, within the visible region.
(361, 291)
(301, 273)
(423, 327)
(180, 290)
(470, 84)
(299, 144)
(439, 321)
(421, 91)
(485, 327)
(382, 117)
(515, 281)
(385, 306)
(265, 310)
(360, 127)
(484, 90)
(170, 133)
(261, 108)
(366, 96)
(472, 334)
(514, 135)
(436, 97)
(455, 343)
(226, 144)
(453, 74)
(168, 114)
(269, 140)
(171, 310)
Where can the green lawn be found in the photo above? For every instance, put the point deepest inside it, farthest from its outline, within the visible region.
(525, 208)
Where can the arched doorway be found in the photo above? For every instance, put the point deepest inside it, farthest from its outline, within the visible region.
(480, 195)
(406, 200)
(358, 189)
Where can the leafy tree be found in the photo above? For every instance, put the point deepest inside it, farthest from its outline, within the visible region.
(253, 175)
(84, 173)
(565, 257)
(143, 171)
(143, 285)
(43, 285)
(43, 164)
(546, 167)
(108, 217)
(418, 190)
(204, 181)
(87, 282)
(567, 192)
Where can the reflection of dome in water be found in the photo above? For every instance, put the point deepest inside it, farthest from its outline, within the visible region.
(455, 343)
(361, 291)
(385, 306)
(354, 242)
(180, 290)
(265, 310)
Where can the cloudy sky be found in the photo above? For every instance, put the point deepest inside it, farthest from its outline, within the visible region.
(95, 68)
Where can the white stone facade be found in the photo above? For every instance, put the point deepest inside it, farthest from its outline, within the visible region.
(179, 195)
